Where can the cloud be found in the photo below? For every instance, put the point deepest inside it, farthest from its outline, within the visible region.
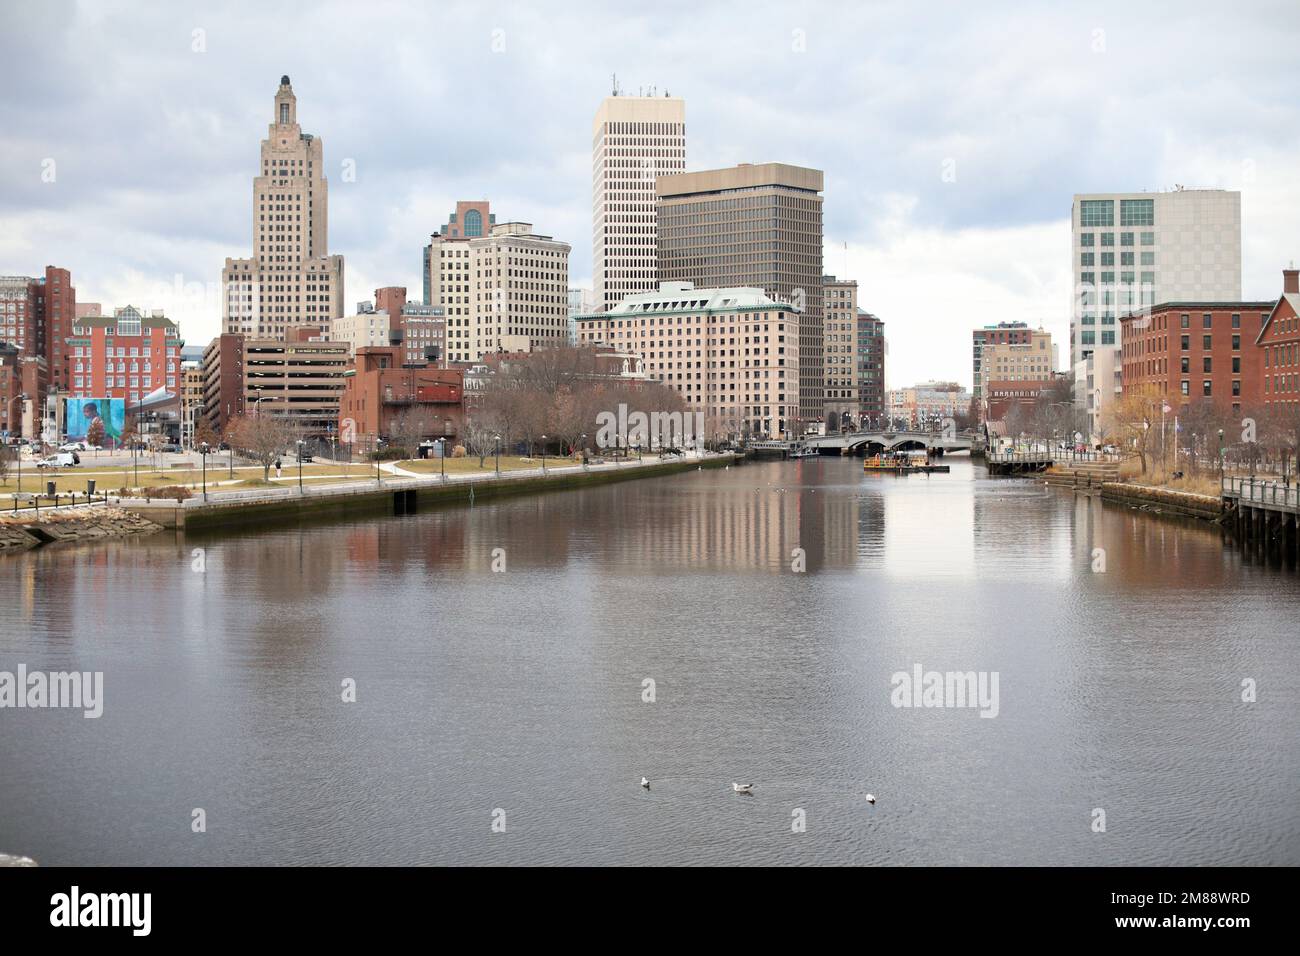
(153, 118)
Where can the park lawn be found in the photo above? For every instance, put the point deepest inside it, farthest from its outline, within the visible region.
(110, 479)
(469, 465)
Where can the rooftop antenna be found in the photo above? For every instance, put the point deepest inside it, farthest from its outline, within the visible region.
(614, 78)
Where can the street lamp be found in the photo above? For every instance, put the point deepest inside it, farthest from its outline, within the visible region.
(442, 445)
(543, 454)
(583, 442)
(1220, 456)
(203, 453)
(498, 441)
(300, 444)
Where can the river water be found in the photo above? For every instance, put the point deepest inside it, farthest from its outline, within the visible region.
(501, 716)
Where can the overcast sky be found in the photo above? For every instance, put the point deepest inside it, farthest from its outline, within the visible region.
(152, 115)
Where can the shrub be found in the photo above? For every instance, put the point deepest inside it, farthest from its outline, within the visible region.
(391, 453)
(178, 492)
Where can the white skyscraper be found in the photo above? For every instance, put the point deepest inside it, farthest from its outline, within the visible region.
(290, 279)
(634, 140)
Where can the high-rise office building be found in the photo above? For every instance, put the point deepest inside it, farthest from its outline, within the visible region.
(755, 226)
(1130, 251)
(635, 139)
(872, 349)
(840, 347)
(501, 289)
(291, 279)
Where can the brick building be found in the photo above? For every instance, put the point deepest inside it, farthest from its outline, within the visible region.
(1279, 345)
(20, 375)
(379, 387)
(36, 315)
(126, 355)
(299, 380)
(1188, 352)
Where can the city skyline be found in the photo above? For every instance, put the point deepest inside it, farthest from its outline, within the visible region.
(940, 165)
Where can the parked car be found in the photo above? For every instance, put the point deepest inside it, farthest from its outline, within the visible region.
(73, 446)
(304, 458)
(170, 449)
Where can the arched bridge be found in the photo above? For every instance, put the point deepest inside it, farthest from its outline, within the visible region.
(874, 442)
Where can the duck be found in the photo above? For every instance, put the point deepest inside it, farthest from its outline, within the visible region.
(645, 783)
(871, 799)
(742, 787)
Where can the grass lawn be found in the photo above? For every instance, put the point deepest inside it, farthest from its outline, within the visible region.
(110, 479)
(469, 465)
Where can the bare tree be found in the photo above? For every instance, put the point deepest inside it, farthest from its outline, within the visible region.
(7, 455)
(263, 438)
(408, 429)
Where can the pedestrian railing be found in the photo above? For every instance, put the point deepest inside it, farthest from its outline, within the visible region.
(1280, 494)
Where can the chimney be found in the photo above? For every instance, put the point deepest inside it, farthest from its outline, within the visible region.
(1291, 280)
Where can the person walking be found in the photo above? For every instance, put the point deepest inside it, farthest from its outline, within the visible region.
(278, 465)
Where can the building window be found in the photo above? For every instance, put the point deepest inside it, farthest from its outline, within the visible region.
(1185, 321)
(1097, 212)
(1087, 259)
(1205, 387)
(1186, 387)
(1085, 239)
(1126, 238)
(1206, 342)
(1148, 239)
(1207, 320)
(1186, 365)
(1206, 367)
(1137, 212)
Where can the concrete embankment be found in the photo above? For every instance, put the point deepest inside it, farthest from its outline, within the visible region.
(1163, 500)
(21, 531)
(395, 496)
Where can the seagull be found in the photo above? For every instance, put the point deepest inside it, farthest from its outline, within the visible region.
(871, 798)
(645, 783)
(742, 787)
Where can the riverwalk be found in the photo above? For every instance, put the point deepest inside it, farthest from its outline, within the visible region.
(395, 491)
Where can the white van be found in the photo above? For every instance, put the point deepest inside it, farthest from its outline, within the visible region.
(64, 459)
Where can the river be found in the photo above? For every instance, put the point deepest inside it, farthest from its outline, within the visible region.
(501, 655)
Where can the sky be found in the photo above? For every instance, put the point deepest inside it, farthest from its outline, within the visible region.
(952, 138)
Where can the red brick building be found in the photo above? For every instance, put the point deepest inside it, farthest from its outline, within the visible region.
(20, 375)
(126, 355)
(1279, 345)
(1191, 352)
(379, 387)
(1004, 396)
(36, 316)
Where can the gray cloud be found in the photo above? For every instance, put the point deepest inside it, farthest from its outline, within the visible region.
(156, 144)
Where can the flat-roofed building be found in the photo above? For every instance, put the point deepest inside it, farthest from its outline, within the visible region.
(730, 353)
(759, 227)
(634, 140)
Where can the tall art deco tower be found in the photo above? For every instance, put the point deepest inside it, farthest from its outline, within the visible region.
(291, 279)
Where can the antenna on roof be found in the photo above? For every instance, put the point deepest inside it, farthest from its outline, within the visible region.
(614, 78)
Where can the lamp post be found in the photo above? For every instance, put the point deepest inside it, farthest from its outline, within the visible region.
(583, 450)
(498, 442)
(1220, 456)
(203, 454)
(300, 444)
(543, 454)
(442, 446)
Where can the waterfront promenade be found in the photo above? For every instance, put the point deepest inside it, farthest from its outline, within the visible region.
(396, 491)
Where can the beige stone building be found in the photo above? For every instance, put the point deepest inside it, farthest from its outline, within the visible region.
(506, 291)
(753, 226)
(635, 139)
(300, 382)
(840, 348)
(1019, 361)
(290, 279)
(366, 328)
(731, 353)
